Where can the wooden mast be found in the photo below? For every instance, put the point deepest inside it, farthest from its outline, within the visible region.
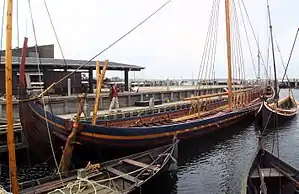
(8, 96)
(273, 56)
(229, 61)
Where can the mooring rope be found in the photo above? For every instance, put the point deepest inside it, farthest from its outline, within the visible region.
(3, 191)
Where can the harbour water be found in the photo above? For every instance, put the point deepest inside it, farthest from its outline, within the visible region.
(217, 162)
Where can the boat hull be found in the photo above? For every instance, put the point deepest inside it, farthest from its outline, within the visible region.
(271, 174)
(38, 124)
(267, 116)
(154, 162)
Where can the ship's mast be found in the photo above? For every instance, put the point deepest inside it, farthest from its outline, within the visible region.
(258, 66)
(273, 56)
(8, 96)
(229, 61)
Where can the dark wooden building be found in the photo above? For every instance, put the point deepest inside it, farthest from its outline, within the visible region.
(54, 69)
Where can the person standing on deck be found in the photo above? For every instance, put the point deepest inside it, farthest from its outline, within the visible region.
(114, 97)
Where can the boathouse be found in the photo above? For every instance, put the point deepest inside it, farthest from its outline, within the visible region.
(53, 69)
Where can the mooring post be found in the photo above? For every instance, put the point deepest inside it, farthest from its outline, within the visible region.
(69, 89)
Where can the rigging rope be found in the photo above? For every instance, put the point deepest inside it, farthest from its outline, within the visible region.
(38, 66)
(239, 52)
(112, 44)
(247, 39)
(247, 15)
(281, 59)
(208, 56)
(286, 67)
(285, 72)
(56, 35)
(213, 47)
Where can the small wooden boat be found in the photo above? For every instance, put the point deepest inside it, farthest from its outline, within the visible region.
(269, 174)
(122, 175)
(267, 113)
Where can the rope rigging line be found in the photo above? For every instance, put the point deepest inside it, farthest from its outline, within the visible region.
(233, 44)
(286, 68)
(200, 72)
(208, 46)
(101, 52)
(281, 59)
(237, 58)
(247, 39)
(247, 15)
(290, 56)
(201, 68)
(38, 65)
(213, 47)
(208, 56)
(238, 61)
(55, 33)
(108, 47)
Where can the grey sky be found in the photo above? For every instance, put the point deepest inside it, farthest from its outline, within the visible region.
(169, 45)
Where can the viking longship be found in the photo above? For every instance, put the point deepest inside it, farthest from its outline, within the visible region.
(41, 126)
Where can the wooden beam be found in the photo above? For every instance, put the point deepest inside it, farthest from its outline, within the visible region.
(69, 145)
(140, 164)
(98, 94)
(216, 94)
(98, 71)
(122, 175)
(8, 96)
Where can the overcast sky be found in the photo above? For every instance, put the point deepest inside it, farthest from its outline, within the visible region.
(169, 45)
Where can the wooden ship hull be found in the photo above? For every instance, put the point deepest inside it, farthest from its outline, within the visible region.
(269, 94)
(123, 175)
(39, 124)
(269, 174)
(268, 115)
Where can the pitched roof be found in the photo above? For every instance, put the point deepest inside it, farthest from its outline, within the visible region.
(51, 63)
